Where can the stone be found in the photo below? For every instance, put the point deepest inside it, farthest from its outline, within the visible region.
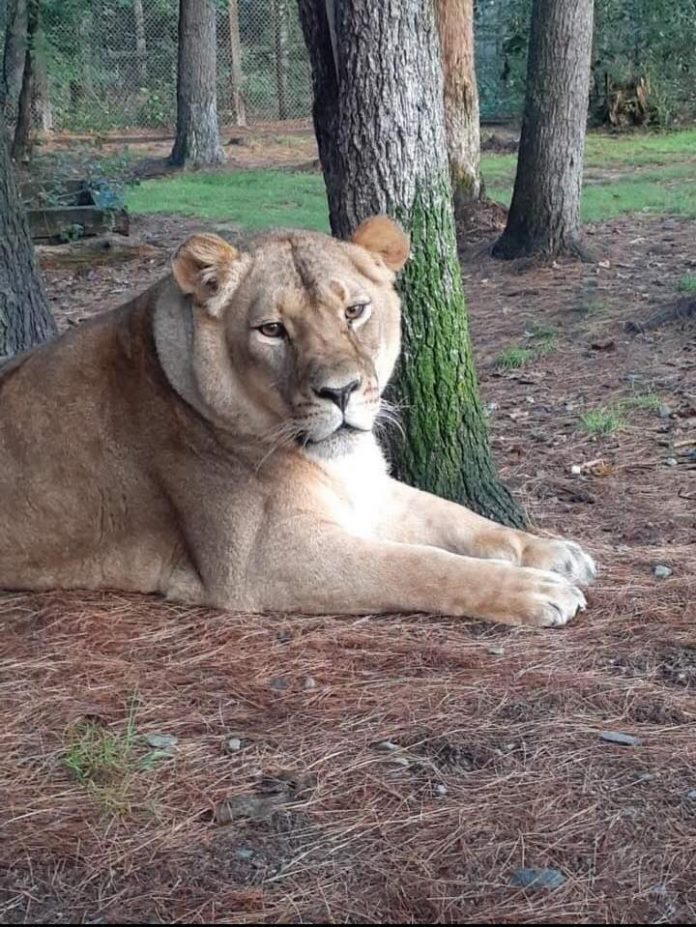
(386, 746)
(310, 683)
(671, 461)
(496, 650)
(622, 740)
(661, 571)
(664, 411)
(245, 853)
(161, 741)
(440, 790)
(538, 878)
(233, 745)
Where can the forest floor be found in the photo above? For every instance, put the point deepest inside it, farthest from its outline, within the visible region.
(162, 764)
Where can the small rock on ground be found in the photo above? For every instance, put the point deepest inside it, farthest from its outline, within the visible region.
(162, 741)
(233, 745)
(623, 740)
(538, 878)
(661, 571)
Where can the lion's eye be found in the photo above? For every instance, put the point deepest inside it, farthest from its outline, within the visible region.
(356, 312)
(272, 330)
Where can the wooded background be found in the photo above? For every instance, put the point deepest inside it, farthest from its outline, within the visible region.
(111, 64)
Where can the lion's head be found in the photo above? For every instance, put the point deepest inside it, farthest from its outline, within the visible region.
(296, 339)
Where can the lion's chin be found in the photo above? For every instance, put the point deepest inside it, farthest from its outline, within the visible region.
(341, 440)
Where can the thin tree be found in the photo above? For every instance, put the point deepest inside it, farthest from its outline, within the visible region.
(22, 133)
(379, 120)
(455, 20)
(13, 56)
(282, 62)
(140, 41)
(197, 141)
(25, 317)
(236, 73)
(544, 215)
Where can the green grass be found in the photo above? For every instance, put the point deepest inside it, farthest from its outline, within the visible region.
(543, 338)
(603, 421)
(609, 419)
(649, 401)
(687, 283)
(513, 358)
(633, 173)
(254, 200)
(105, 761)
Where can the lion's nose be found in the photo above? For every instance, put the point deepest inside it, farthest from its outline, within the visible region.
(338, 394)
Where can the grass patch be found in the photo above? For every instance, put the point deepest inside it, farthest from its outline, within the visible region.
(105, 761)
(603, 421)
(687, 283)
(543, 338)
(254, 200)
(609, 419)
(513, 358)
(650, 173)
(649, 401)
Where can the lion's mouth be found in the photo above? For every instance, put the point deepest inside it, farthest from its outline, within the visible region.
(344, 428)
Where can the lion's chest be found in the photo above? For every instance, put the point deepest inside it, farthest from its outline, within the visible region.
(357, 489)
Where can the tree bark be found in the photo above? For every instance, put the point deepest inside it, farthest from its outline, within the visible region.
(41, 102)
(282, 62)
(197, 141)
(140, 41)
(455, 20)
(237, 75)
(13, 57)
(544, 216)
(25, 318)
(379, 120)
(22, 136)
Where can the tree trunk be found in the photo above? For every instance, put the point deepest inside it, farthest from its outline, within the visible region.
(544, 216)
(282, 62)
(379, 120)
(140, 41)
(455, 20)
(41, 102)
(22, 136)
(197, 135)
(25, 318)
(237, 75)
(13, 57)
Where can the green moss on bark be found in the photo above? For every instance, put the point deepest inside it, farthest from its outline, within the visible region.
(446, 449)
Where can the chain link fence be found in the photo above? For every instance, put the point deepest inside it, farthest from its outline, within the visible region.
(111, 64)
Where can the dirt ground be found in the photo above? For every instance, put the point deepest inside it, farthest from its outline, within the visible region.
(399, 770)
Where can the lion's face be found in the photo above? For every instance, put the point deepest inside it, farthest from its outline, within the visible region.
(311, 325)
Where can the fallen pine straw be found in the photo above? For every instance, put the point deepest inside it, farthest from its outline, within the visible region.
(495, 762)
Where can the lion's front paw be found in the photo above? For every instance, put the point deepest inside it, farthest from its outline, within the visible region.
(546, 600)
(559, 556)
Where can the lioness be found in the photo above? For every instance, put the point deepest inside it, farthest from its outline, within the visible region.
(213, 441)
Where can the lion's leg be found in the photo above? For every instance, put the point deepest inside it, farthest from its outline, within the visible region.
(416, 517)
(325, 570)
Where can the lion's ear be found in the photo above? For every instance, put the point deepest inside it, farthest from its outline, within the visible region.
(209, 269)
(384, 237)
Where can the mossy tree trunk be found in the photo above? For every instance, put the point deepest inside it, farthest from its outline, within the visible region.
(455, 21)
(197, 141)
(544, 215)
(378, 114)
(25, 318)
